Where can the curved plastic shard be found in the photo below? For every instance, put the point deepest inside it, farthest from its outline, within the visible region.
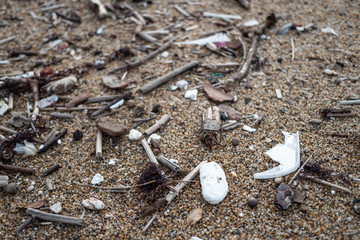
(287, 154)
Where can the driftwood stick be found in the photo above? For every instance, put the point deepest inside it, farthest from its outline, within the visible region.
(229, 126)
(152, 219)
(101, 99)
(70, 109)
(99, 137)
(149, 152)
(298, 171)
(145, 59)
(244, 69)
(183, 183)
(136, 13)
(350, 102)
(168, 164)
(328, 184)
(157, 82)
(24, 225)
(53, 141)
(125, 96)
(17, 169)
(158, 124)
(62, 115)
(50, 170)
(171, 195)
(35, 87)
(11, 101)
(181, 10)
(8, 130)
(148, 38)
(35, 213)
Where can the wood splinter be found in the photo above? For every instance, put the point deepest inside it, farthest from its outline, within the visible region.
(50, 217)
(99, 137)
(210, 131)
(157, 125)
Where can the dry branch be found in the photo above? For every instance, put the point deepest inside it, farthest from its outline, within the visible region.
(125, 96)
(158, 124)
(17, 169)
(53, 141)
(157, 82)
(54, 217)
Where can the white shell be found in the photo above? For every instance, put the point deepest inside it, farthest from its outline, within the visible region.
(93, 204)
(134, 134)
(98, 178)
(214, 186)
(56, 208)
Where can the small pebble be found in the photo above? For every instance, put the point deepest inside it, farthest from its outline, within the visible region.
(40, 192)
(93, 204)
(30, 188)
(11, 188)
(304, 208)
(98, 178)
(131, 103)
(315, 121)
(235, 141)
(332, 192)
(349, 219)
(134, 134)
(252, 202)
(56, 208)
(165, 54)
(278, 180)
(78, 135)
(248, 85)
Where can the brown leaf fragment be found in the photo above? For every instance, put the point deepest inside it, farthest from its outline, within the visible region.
(194, 216)
(234, 44)
(299, 197)
(113, 81)
(78, 99)
(110, 126)
(284, 196)
(36, 204)
(230, 112)
(216, 94)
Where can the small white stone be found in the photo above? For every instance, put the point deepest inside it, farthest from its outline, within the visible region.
(40, 192)
(192, 94)
(349, 219)
(195, 238)
(134, 134)
(329, 30)
(3, 109)
(93, 204)
(182, 84)
(332, 192)
(98, 178)
(241, 215)
(112, 161)
(214, 186)
(278, 93)
(29, 189)
(249, 129)
(153, 136)
(250, 23)
(278, 180)
(59, 141)
(100, 30)
(56, 208)
(268, 140)
(118, 104)
(330, 72)
(165, 54)
(252, 147)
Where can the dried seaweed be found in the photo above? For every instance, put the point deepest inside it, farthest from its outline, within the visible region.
(316, 169)
(151, 172)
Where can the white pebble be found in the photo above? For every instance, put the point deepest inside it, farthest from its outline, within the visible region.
(278, 180)
(250, 23)
(93, 204)
(165, 54)
(332, 192)
(214, 186)
(153, 136)
(29, 189)
(40, 192)
(134, 134)
(118, 104)
(112, 161)
(56, 208)
(192, 94)
(3, 109)
(59, 141)
(249, 129)
(349, 219)
(182, 84)
(98, 178)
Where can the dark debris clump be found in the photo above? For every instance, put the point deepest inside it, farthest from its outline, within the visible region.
(150, 173)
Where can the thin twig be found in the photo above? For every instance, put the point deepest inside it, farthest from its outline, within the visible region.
(99, 137)
(53, 141)
(307, 160)
(54, 217)
(292, 49)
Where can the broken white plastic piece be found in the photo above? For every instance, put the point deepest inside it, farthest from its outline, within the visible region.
(329, 30)
(28, 149)
(192, 94)
(287, 154)
(278, 93)
(249, 129)
(251, 23)
(219, 37)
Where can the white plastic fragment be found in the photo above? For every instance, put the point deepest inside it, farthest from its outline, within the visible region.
(192, 94)
(182, 84)
(278, 93)
(3, 109)
(118, 104)
(329, 30)
(98, 178)
(45, 102)
(134, 134)
(217, 15)
(28, 149)
(219, 37)
(214, 186)
(4, 62)
(56, 208)
(112, 161)
(165, 54)
(287, 154)
(251, 23)
(93, 204)
(153, 137)
(249, 129)
(100, 30)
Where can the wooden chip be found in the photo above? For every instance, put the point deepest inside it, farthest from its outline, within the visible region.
(216, 94)
(231, 112)
(36, 204)
(194, 216)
